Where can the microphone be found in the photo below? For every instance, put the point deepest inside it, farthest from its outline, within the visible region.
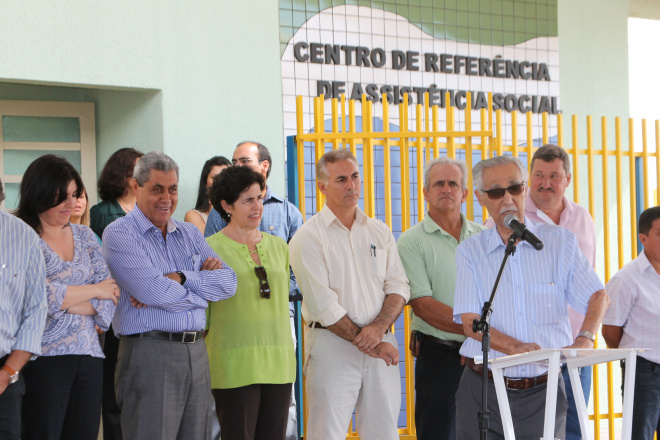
(521, 231)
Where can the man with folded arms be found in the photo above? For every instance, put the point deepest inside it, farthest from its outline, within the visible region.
(428, 253)
(354, 288)
(633, 321)
(530, 306)
(167, 273)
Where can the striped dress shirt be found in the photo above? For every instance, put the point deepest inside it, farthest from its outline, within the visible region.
(531, 301)
(139, 258)
(22, 287)
(634, 291)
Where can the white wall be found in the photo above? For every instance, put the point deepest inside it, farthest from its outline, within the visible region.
(215, 63)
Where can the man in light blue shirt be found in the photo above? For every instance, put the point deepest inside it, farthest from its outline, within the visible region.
(530, 306)
(22, 313)
(167, 274)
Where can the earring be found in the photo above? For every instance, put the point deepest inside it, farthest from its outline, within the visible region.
(228, 214)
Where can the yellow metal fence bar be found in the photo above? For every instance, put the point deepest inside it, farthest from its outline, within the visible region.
(645, 155)
(468, 154)
(633, 189)
(387, 164)
(576, 160)
(514, 133)
(419, 150)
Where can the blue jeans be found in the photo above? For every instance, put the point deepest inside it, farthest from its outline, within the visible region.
(438, 372)
(646, 403)
(572, 422)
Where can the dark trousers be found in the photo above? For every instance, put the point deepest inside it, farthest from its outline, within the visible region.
(10, 408)
(110, 409)
(527, 410)
(438, 372)
(253, 412)
(62, 398)
(646, 402)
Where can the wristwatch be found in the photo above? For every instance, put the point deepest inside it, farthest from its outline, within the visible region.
(13, 375)
(588, 335)
(182, 275)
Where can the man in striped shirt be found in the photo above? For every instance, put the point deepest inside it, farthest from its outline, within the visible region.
(22, 313)
(530, 307)
(167, 273)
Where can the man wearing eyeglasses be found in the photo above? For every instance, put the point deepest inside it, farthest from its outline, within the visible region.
(530, 306)
(428, 253)
(354, 288)
(280, 218)
(549, 178)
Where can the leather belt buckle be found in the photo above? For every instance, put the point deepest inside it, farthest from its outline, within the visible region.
(189, 338)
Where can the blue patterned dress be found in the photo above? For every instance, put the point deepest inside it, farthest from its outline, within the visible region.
(67, 333)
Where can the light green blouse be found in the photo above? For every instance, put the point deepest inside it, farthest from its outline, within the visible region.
(249, 339)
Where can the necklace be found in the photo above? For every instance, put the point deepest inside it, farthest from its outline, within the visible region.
(124, 207)
(256, 249)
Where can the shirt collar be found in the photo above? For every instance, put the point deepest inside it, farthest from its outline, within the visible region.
(531, 207)
(494, 241)
(430, 226)
(644, 263)
(270, 195)
(327, 216)
(144, 224)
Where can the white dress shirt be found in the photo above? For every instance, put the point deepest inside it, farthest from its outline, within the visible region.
(346, 272)
(634, 292)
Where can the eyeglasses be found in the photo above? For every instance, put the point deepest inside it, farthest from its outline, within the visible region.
(498, 193)
(264, 287)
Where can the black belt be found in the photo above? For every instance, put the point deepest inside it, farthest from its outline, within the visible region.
(511, 384)
(183, 337)
(445, 343)
(318, 325)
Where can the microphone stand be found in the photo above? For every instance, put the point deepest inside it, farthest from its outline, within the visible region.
(482, 326)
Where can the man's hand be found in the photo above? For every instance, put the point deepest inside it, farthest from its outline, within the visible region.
(386, 352)
(212, 263)
(136, 303)
(369, 337)
(4, 381)
(525, 347)
(581, 343)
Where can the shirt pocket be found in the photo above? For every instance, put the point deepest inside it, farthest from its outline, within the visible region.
(548, 303)
(378, 265)
(12, 280)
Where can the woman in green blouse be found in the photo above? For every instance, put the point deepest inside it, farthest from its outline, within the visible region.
(249, 340)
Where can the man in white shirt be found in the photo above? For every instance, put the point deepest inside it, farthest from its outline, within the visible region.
(354, 288)
(633, 321)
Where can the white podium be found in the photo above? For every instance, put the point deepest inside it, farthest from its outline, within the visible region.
(574, 359)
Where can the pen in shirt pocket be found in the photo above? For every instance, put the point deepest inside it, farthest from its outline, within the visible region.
(373, 250)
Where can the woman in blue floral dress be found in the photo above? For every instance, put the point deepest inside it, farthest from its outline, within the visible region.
(64, 384)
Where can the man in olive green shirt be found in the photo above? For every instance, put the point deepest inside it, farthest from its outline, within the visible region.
(428, 252)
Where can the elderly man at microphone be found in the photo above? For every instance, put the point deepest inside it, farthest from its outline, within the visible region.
(545, 274)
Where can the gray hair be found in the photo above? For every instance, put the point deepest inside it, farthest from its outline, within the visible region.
(493, 162)
(154, 160)
(332, 156)
(441, 161)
